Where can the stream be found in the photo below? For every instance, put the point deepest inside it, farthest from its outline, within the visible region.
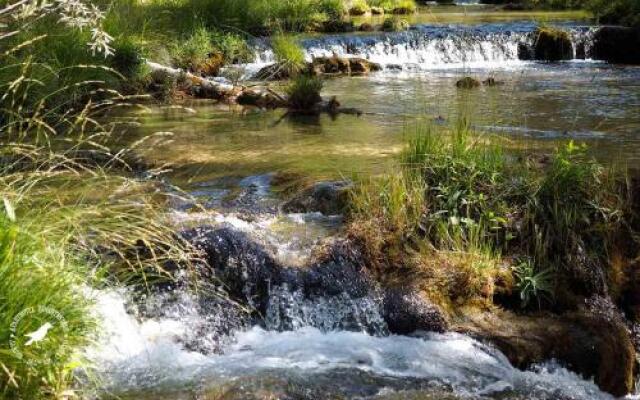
(337, 346)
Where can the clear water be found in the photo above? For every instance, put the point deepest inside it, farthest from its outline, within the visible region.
(218, 151)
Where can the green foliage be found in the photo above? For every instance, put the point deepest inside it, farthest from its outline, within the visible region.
(304, 93)
(404, 7)
(461, 193)
(192, 52)
(625, 12)
(358, 7)
(334, 9)
(394, 24)
(38, 274)
(533, 284)
(128, 58)
(288, 53)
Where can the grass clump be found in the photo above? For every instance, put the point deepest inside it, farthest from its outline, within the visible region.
(404, 7)
(394, 24)
(358, 7)
(304, 93)
(288, 54)
(460, 194)
(40, 283)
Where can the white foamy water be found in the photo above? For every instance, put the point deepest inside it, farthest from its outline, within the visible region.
(426, 48)
(137, 355)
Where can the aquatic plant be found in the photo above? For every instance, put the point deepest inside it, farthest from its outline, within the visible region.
(304, 93)
(394, 24)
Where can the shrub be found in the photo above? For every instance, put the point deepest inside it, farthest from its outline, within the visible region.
(304, 93)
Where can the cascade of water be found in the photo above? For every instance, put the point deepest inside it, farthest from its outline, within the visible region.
(428, 47)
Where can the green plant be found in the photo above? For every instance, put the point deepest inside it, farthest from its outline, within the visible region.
(304, 93)
(404, 7)
(394, 24)
(192, 53)
(288, 53)
(533, 284)
(358, 7)
(128, 58)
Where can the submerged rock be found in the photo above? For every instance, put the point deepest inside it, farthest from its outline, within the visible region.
(338, 26)
(329, 198)
(467, 83)
(552, 45)
(592, 341)
(617, 44)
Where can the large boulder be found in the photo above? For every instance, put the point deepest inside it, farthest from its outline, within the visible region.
(329, 198)
(552, 45)
(592, 341)
(617, 44)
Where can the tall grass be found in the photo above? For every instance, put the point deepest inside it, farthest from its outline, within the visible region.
(74, 214)
(458, 192)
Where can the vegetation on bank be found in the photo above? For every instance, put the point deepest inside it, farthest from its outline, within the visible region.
(478, 223)
(73, 214)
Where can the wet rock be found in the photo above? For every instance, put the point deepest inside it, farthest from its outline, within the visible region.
(338, 26)
(491, 82)
(592, 341)
(366, 27)
(329, 198)
(406, 311)
(525, 52)
(467, 83)
(244, 267)
(552, 45)
(617, 44)
(338, 65)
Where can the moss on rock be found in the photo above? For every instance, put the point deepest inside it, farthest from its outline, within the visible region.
(552, 45)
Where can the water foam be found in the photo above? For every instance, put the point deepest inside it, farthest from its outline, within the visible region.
(138, 355)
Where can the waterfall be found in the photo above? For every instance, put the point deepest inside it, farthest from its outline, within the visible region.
(432, 47)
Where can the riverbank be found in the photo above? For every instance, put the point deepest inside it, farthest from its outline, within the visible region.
(314, 237)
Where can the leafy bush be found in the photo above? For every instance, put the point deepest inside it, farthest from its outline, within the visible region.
(304, 93)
